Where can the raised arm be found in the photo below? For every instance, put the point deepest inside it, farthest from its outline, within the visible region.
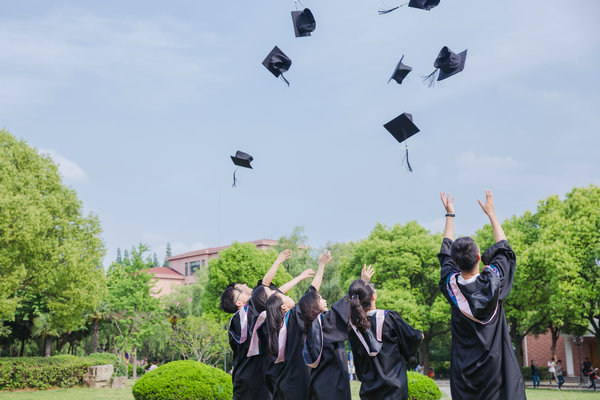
(323, 261)
(367, 273)
(449, 206)
(270, 275)
(286, 287)
(488, 208)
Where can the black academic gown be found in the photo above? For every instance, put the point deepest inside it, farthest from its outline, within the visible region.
(483, 363)
(288, 380)
(248, 374)
(383, 372)
(328, 378)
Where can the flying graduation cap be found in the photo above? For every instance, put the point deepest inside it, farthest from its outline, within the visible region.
(277, 63)
(241, 159)
(304, 22)
(401, 128)
(448, 63)
(420, 4)
(400, 72)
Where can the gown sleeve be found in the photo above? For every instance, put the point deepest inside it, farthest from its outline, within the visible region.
(501, 258)
(407, 337)
(335, 321)
(448, 266)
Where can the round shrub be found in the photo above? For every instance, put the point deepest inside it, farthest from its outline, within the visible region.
(184, 380)
(421, 387)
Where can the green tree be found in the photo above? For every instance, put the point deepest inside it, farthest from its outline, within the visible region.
(200, 338)
(47, 329)
(167, 255)
(407, 274)
(48, 249)
(243, 263)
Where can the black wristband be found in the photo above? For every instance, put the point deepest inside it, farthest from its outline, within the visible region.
(450, 215)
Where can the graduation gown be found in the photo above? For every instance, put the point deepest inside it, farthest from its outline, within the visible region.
(380, 355)
(248, 374)
(483, 363)
(324, 351)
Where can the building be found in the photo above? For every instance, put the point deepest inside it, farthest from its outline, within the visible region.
(569, 349)
(182, 267)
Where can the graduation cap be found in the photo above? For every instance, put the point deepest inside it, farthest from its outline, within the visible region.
(448, 63)
(400, 72)
(304, 22)
(401, 128)
(241, 159)
(277, 63)
(420, 4)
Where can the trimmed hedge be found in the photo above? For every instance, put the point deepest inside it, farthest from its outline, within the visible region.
(45, 372)
(184, 380)
(421, 387)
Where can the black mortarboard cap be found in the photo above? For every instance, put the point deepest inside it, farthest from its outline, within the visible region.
(242, 159)
(423, 4)
(277, 63)
(400, 72)
(449, 62)
(304, 22)
(402, 127)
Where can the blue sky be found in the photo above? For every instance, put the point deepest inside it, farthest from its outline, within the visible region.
(142, 103)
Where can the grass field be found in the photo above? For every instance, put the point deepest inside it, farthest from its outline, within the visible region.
(125, 394)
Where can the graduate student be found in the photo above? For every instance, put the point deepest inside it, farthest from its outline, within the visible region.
(286, 372)
(483, 362)
(246, 305)
(324, 350)
(381, 342)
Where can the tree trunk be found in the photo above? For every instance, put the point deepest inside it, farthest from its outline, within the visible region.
(426, 342)
(48, 346)
(22, 347)
(555, 332)
(95, 337)
(134, 362)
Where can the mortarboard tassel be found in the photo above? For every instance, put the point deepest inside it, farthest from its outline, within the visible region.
(285, 80)
(430, 79)
(381, 12)
(407, 162)
(234, 178)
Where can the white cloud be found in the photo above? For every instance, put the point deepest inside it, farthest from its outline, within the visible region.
(70, 171)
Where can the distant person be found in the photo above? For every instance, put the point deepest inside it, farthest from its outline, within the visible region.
(431, 374)
(152, 367)
(558, 371)
(593, 376)
(587, 366)
(420, 369)
(535, 377)
(552, 371)
(483, 362)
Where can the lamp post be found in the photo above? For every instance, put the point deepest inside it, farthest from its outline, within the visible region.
(578, 340)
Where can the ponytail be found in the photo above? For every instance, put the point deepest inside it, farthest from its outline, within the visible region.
(275, 316)
(360, 294)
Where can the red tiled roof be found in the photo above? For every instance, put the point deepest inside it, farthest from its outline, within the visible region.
(211, 250)
(163, 271)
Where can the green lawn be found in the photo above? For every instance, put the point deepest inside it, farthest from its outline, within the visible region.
(125, 394)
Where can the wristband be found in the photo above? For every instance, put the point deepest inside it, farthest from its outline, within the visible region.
(450, 215)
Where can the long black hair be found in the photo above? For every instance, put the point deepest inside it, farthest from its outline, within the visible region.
(309, 308)
(360, 294)
(275, 316)
(259, 298)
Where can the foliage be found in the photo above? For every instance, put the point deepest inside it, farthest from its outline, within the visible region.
(45, 372)
(182, 380)
(421, 387)
(242, 262)
(200, 338)
(406, 276)
(49, 252)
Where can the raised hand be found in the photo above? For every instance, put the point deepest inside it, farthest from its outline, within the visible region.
(325, 257)
(284, 255)
(307, 273)
(448, 204)
(488, 207)
(367, 273)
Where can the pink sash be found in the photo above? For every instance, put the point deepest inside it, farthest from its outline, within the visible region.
(463, 304)
(243, 312)
(379, 319)
(254, 349)
(282, 340)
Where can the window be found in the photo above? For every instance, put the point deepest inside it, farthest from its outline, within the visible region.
(203, 263)
(194, 266)
(186, 269)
